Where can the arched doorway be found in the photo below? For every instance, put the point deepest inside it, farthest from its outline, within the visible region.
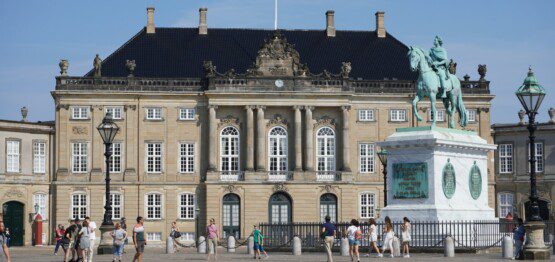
(13, 215)
(231, 216)
(544, 208)
(328, 207)
(279, 208)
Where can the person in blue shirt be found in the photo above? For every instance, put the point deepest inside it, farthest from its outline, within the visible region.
(518, 236)
(328, 233)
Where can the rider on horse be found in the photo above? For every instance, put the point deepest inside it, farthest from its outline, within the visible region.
(440, 63)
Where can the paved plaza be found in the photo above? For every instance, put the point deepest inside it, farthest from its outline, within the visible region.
(44, 254)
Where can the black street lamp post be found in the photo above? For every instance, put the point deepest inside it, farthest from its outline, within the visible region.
(108, 130)
(382, 155)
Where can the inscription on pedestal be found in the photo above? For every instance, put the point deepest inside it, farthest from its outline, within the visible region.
(449, 180)
(410, 180)
(475, 181)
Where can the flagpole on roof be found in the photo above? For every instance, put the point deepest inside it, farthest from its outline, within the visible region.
(275, 14)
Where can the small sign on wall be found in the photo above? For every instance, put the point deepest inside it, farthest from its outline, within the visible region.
(410, 180)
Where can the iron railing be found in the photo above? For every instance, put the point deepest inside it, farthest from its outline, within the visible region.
(424, 234)
(232, 176)
(328, 176)
(280, 176)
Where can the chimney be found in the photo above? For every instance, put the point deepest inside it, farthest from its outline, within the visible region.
(330, 23)
(202, 27)
(24, 112)
(380, 27)
(150, 20)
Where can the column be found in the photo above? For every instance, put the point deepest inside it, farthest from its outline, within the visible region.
(250, 138)
(346, 147)
(260, 138)
(212, 130)
(309, 138)
(298, 140)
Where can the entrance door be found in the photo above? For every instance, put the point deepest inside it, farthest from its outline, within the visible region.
(328, 207)
(280, 209)
(13, 220)
(231, 210)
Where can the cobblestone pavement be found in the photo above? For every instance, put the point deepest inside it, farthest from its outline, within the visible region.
(44, 254)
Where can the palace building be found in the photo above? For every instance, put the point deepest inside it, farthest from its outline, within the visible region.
(241, 125)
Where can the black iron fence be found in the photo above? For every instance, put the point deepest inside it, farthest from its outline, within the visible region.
(424, 234)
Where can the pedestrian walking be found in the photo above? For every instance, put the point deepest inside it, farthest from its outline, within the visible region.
(328, 234)
(119, 236)
(124, 227)
(70, 241)
(139, 239)
(175, 234)
(518, 236)
(59, 234)
(258, 241)
(354, 235)
(84, 241)
(213, 234)
(92, 236)
(373, 238)
(405, 235)
(5, 252)
(388, 236)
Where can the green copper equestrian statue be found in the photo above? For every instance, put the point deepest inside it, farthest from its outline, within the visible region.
(435, 81)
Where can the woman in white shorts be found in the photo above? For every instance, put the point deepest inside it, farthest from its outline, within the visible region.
(373, 232)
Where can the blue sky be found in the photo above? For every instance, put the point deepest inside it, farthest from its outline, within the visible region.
(506, 35)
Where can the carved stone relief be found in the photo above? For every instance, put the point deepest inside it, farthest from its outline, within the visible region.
(229, 120)
(280, 187)
(277, 120)
(325, 121)
(80, 130)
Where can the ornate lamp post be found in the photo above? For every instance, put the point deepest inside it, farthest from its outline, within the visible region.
(531, 94)
(108, 130)
(382, 155)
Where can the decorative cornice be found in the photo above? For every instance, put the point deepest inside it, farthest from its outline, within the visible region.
(278, 120)
(13, 193)
(60, 106)
(325, 121)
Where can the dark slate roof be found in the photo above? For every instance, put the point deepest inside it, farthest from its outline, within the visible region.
(180, 52)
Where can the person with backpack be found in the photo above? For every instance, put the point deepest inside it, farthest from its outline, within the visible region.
(119, 236)
(84, 241)
(175, 234)
(258, 240)
(354, 235)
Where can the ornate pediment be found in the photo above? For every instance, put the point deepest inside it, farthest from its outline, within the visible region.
(277, 57)
(229, 120)
(280, 187)
(278, 120)
(325, 121)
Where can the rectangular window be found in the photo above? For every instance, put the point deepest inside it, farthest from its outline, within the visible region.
(471, 114)
(539, 156)
(79, 157)
(115, 159)
(39, 157)
(154, 157)
(115, 111)
(505, 204)
(186, 206)
(187, 236)
(440, 115)
(367, 205)
(505, 158)
(187, 114)
(398, 115)
(80, 112)
(186, 157)
(154, 113)
(366, 158)
(40, 200)
(154, 236)
(12, 156)
(154, 206)
(365, 115)
(78, 206)
(116, 203)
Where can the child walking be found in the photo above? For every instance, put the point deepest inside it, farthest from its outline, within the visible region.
(258, 240)
(406, 236)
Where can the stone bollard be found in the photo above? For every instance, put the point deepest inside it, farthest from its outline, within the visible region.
(250, 245)
(169, 245)
(231, 244)
(507, 247)
(396, 247)
(201, 248)
(449, 247)
(344, 247)
(297, 246)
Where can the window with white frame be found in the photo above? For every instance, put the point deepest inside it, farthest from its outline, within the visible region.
(539, 156)
(80, 112)
(366, 157)
(471, 115)
(116, 202)
(229, 149)
(440, 113)
(79, 157)
(325, 149)
(277, 149)
(505, 158)
(153, 236)
(397, 115)
(187, 236)
(154, 206)
(186, 206)
(186, 157)
(187, 114)
(79, 205)
(12, 156)
(115, 159)
(39, 157)
(115, 111)
(154, 157)
(367, 205)
(154, 113)
(365, 115)
(506, 203)
(39, 199)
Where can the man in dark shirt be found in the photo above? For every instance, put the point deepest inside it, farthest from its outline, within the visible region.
(328, 232)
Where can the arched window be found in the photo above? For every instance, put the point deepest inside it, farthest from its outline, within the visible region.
(328, 207)
(280, 208)
(325, 150)
(229, 149)
(277, 149)
(231, 209)
(40, 199)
